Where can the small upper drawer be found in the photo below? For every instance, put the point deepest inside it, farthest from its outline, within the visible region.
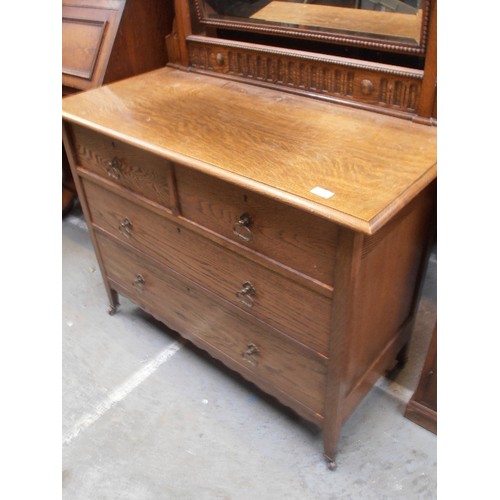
(136, 170)
(282, 303)
(290, 236)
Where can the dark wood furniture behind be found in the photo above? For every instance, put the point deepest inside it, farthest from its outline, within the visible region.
(107, 40)
(422, 407)
(271, 204)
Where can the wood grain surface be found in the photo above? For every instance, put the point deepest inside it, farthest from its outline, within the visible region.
(373, 164)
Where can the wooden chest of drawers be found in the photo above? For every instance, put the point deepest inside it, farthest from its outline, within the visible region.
(261, 226)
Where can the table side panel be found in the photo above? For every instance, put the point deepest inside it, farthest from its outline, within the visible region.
(389, 275)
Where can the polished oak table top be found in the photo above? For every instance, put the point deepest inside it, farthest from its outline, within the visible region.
(353, 167)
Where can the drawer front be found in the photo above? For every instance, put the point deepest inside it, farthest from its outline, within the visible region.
(134, 169)
(297, 239)
(188, 310)
(280, 302)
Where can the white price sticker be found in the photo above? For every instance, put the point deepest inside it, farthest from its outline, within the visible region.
(324, 193)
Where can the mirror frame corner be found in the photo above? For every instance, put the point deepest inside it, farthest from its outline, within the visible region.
(355, 40)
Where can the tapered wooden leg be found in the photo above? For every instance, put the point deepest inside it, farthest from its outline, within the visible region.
(330, 463)
(331, 437)
(347, 262)
(69, 153)
(113, 301)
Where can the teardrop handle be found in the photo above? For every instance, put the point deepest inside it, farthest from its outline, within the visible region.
(245, 294)
(125, 227)
(113, 168)
(251, 354)
(241, 228)
(139, 282)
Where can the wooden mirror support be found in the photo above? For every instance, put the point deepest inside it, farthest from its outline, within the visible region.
(401, 90)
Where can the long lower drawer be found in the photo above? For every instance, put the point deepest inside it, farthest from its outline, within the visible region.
(282, 303)
(261, 354)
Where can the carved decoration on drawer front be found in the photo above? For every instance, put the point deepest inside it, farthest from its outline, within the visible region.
(389, 89)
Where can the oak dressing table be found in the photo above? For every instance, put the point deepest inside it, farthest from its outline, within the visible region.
(271, 204)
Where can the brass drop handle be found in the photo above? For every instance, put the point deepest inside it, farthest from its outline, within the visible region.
(113, 168)
(250, 354)
(246, 293)
(242, 228)
(125, 227)
(139, 282)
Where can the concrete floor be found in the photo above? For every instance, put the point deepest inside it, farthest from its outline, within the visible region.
(147, 416)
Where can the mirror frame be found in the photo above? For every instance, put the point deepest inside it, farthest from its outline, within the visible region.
(374, 42)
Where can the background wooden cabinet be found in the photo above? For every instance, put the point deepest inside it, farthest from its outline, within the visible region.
(107, 40)
(422, 408)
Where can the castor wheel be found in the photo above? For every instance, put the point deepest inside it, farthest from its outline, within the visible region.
(330, 463)
(332, 466)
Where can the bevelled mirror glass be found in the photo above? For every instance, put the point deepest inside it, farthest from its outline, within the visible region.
(393, 25)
